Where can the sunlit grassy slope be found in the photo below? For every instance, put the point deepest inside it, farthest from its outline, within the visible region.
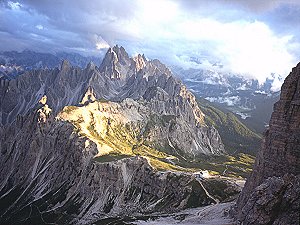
(121, 134)
(236, 136)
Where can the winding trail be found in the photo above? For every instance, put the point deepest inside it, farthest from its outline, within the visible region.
(207, 193)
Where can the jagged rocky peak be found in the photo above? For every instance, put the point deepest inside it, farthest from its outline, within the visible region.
(116, 63)
(44, 112)
(119, 77)
(121, 54)
(65, 65)
(272, 192)
(91, 66)
(161, 67)
(140, 62)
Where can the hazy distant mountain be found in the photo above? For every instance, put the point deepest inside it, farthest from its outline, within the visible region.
(14, 63)
(251, 101)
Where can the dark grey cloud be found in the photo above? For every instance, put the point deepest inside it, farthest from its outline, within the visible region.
(65, 24)
(256, 6)
(281, 15)
(285, 18)
(86, 17)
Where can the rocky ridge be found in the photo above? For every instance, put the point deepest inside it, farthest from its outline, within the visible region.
(48, 171)
(119, 77)
(56, 123)
(271, 194)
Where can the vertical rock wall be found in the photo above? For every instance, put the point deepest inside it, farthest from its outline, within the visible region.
(272, 193)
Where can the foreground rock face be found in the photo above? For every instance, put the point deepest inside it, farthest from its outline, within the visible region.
(48, 175)
(272, 193)
(275, 201)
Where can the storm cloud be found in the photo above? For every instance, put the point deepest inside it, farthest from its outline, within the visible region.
(252, 38)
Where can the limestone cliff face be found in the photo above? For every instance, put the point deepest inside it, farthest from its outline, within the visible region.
(57, 125)
(119, 77)
(272, 193)
(130, 127)
(48, 175)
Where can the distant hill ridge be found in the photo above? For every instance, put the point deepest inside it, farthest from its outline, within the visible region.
(13, 63)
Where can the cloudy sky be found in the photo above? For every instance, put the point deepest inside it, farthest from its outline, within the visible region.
(254, 37)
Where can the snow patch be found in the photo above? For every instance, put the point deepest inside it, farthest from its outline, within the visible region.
(210, 215)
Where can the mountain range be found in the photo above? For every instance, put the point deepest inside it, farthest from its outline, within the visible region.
(127, 140)
(249, 100)
(13, 63)
(79, 145)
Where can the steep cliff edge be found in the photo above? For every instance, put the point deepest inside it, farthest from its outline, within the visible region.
(48, 175)
(272, 192)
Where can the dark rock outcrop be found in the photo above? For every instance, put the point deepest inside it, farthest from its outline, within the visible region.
(272, 192)
(48, 175)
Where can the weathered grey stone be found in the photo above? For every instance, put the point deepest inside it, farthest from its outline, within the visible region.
(119, 77)
(42, 157)
(271, 194)
(48, 173)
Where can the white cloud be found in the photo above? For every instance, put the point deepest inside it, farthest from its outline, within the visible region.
(256, 6)
(39, 27)
(246, 47)
(101, 45)
(229, 101)
(277, 82)
(252, 49)
(14, 5)
(99, 42)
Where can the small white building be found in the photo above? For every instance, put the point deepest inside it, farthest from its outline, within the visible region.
(202, 174)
